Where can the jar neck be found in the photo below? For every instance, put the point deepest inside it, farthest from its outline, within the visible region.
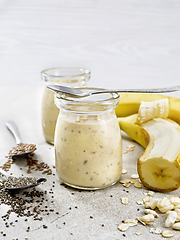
(91, 105)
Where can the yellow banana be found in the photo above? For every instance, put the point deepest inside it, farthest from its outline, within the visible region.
(130, 102)
(135, 131)
(159, 165)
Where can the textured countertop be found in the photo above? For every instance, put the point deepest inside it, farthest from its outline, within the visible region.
(73, 214)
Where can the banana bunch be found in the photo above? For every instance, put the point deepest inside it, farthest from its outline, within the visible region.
(159, 165)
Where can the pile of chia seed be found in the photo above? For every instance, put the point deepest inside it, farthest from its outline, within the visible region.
(14, 182)
(18, 203)
(34, 204)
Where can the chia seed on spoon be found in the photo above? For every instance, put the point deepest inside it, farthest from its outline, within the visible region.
(14, 182)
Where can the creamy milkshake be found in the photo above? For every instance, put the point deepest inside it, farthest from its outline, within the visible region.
(88, 152)
(71, 77)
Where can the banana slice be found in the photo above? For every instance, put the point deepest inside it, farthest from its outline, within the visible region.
(155, 109)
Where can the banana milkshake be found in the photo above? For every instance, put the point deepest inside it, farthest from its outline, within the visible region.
(49, 114)
(71, 77)
(88, 152)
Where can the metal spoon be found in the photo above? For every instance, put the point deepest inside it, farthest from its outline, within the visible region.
(78, 93)
(13, 129)
(4, 175)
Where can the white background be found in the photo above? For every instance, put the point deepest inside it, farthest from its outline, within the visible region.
(124, 43)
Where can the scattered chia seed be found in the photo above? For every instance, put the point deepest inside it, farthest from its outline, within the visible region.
(30, 204)
(21, 204)
(32, 164)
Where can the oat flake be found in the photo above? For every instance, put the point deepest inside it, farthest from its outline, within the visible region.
(124, 200)
(167, 233)
(123, 227)
(124, 171)
(138, 233)
(134, 176)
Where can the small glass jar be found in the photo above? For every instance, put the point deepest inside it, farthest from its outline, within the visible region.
(70, 77)
(88, 145)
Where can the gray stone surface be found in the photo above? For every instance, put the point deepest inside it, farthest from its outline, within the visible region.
(82, 214)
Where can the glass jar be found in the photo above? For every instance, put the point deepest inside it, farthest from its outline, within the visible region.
(70, 77)
(88, 145)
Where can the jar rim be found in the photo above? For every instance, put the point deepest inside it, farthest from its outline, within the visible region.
(82, 72)
(97, 103)
(68, 97)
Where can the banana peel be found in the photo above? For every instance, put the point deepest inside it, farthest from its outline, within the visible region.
(159, 165)
(133, 130)
(130, 102)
